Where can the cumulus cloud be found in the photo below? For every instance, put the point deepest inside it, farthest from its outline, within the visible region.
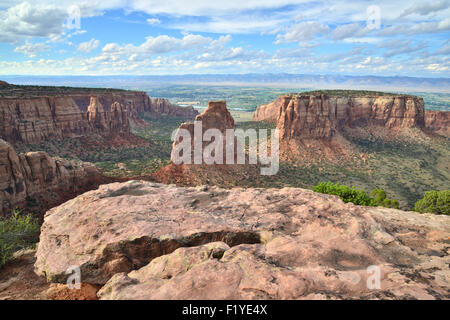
(327, 35)
(31, 49)
(153, 21)
(302, 32)
(426, 8)
(27, 20)
(88, 46)
(162, 44)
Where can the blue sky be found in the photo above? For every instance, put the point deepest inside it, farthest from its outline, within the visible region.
(408, 38)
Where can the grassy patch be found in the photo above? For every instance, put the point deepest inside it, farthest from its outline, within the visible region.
(17, 232)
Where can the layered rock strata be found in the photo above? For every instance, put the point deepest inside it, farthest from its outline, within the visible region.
(311, 116)
(438, 122)
(216, 116)
(33, 118)
(37, 181)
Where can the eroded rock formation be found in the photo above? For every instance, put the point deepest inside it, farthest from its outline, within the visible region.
(142, 240)
(438, 122)
(215, 116)
(36, 181)
(33, 117)
(110, 121)
(311, 116)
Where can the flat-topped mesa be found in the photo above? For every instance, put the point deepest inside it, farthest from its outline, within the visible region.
(34, 114)
(320, 116)
(37, 181)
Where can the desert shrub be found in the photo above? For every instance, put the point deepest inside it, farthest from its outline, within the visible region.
(434, 202)
(359, 197)
(17, 232)
(346, 193)
(379, 199)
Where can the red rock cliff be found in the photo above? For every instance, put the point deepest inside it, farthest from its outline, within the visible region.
(438, 121)
(38, 181)
(33, 117)
(320, 116)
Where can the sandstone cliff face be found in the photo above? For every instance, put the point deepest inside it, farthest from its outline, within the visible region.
(142, 240)
(321, 116)
(269, 112)
(110, 121)
(37, 181)
(33, 119)
(438, 122)
(215, 116)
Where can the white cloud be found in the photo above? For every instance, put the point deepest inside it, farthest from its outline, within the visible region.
(396, 47)
(162, 44)
(88, 46)
(445, 49)
(26, 20)
(417, 28)
(31, 49)
(153, 21)
(351, 30)
(426, 8)
(302, 32)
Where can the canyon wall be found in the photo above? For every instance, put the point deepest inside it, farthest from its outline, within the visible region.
(37, 181)
(32, 118)
(311, 116)
(438, 122)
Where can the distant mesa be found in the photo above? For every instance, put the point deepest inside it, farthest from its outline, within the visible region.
(319, 122)
(33, 114)
(4, 84)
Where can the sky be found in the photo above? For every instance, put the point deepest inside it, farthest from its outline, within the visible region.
(138, 37)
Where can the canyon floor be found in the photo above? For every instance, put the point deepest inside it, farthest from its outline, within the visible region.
(405, 170)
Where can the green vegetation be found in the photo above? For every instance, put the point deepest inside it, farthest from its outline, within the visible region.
(434, 202)
(345, 193)
(237, 97)
(32, 90)
(353, 195)
(17, 232)
(347, 93)
(379, 199)
(249, 97)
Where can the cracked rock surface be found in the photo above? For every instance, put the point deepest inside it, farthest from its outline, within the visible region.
(142, 240)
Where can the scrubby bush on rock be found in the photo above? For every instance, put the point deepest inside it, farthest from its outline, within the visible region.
(434, 202)
(359, 197)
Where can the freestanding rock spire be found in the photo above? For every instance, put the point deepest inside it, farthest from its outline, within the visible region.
(96, 114)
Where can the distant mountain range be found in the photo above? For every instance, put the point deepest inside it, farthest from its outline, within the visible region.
(265, 79)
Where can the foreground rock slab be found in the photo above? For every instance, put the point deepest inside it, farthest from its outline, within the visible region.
(142, 240)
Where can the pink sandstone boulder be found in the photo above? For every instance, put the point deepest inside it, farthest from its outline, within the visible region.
(142, 240)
